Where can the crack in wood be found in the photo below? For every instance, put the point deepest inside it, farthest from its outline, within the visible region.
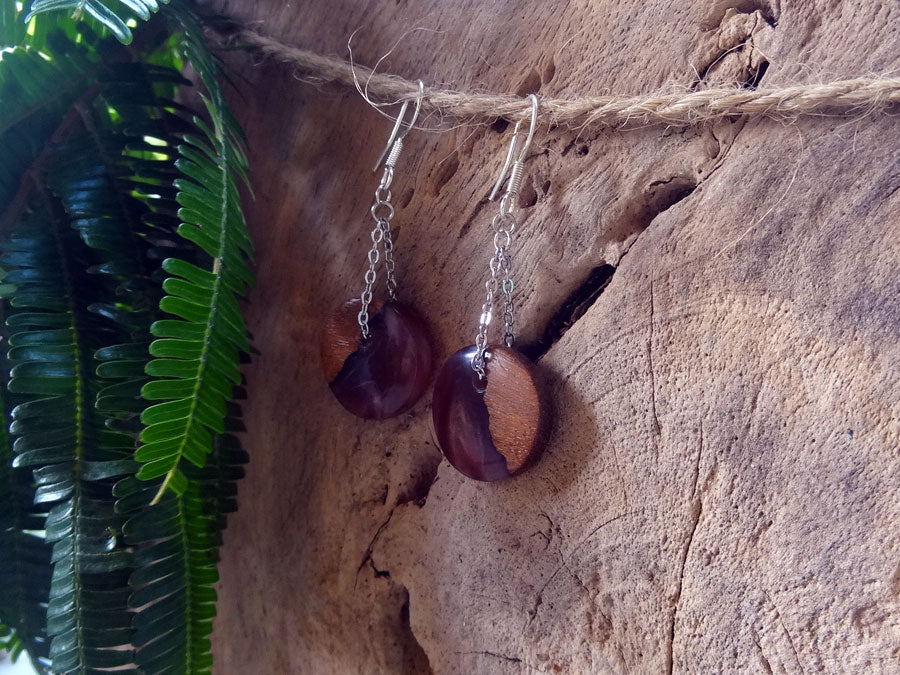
(417, 660)
(564, 565)
(754, 74)
(697, 464)
(502, 657)
(698, 507)
(417, 495)
(786, 631)
(656, 426)
(759, 652)
(572, 308)
(368, 555)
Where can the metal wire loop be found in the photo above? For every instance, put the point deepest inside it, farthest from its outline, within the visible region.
(382, 210)
(502, 239)
(395, 140)
(518, 166)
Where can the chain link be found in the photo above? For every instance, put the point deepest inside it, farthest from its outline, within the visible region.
(382, 212)
(500, 265)
(391, 282)
(370, 278)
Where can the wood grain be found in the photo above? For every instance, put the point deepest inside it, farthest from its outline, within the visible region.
(720, 492)
(519, 419)
(341, 335)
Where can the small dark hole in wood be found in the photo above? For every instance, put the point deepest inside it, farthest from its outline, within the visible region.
(500, 126)
(752, 82)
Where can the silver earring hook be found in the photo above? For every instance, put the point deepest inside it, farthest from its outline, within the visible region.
(382, 212)
(503, 225)
(518, 166)
(395, 142)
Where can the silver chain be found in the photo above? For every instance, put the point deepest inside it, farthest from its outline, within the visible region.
(388, 244)
(382, 212)
(503, 225)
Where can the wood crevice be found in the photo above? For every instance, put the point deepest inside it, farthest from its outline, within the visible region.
(698, 512)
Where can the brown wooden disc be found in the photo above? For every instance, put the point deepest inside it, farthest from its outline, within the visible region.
(495, 428)
(385, 374)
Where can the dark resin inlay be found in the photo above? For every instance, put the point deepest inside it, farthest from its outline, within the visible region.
(385, 375)
(489, 429)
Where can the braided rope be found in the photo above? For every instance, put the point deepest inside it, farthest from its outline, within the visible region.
(673, 108)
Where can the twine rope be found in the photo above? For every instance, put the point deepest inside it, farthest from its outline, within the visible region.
(674, 108)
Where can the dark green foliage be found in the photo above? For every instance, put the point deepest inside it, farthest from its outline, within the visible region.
(43, 91)
(177, 540)
(62, 437)
(197, 356)
(126, 252)
(24, 555)
(112, 14)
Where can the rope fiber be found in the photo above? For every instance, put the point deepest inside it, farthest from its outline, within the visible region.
(855, 96)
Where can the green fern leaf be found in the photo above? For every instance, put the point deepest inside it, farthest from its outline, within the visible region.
(198, 352)
(24, 555)
(112, 14)
(175, 552)
(125, 178)
(62, 438)
(99, 185)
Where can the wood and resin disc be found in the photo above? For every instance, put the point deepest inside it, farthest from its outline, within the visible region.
(494, 428)
(384, 375)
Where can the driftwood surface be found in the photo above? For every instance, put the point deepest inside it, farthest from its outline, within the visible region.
(715, 310)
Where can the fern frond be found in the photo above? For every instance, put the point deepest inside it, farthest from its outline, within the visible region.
(198, 353)
(118, 194)
(111, 188)
(62, 438)
(176, 543)
(24, 555)
(112, 14)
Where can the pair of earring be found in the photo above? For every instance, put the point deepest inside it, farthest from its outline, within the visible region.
(489, 412)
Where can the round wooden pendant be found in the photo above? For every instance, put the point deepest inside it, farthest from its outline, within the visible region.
(384, 375)
(494, 428)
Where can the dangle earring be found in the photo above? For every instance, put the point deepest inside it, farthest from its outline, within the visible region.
(377, 355)
(490, 418)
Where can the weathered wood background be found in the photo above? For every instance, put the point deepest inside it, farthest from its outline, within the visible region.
(721, 492)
